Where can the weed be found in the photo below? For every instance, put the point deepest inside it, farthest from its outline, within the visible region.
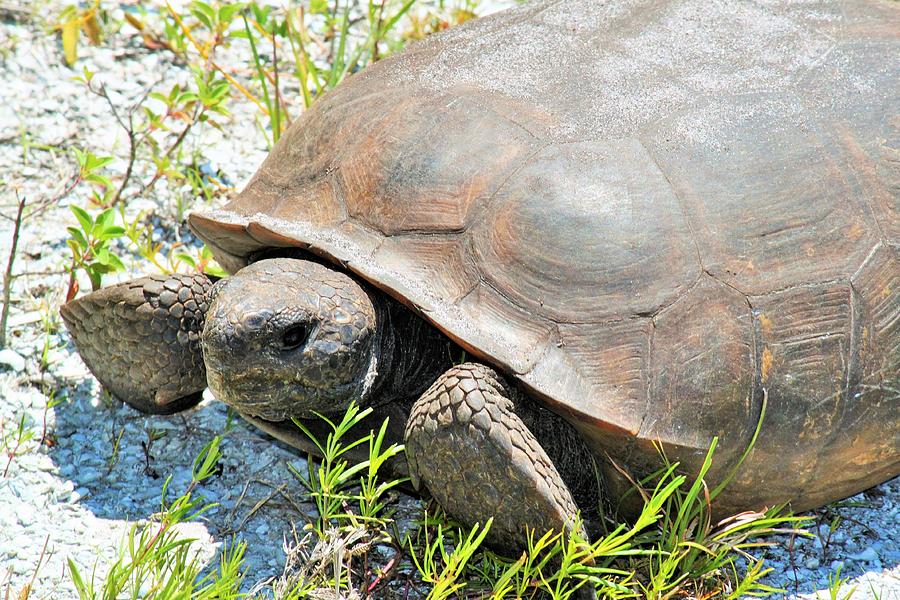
(835, 583)
(155, 562)
(90, 248)
(48, 438)
(153, 435)
(825, 538)
(8, 274)
(335, 482)
(13, 441)
(115, 444)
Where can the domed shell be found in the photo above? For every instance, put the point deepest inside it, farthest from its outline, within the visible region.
(652, 214)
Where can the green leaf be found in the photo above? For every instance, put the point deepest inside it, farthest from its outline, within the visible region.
(77, 237)
(216, 271)
(98, 180)
(87, 75)
(227, 12)
(87, 223)
(403, 10)
(102, 256)
(77, 250)
(80, 157)
(94, 274)
(204, 13)
(116, 263)
(186, 259)
(111, 232)
(161, 97)
(260, 13)
(104, 219)
(83, 591)
(95, 162)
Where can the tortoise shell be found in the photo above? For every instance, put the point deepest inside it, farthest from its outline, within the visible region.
(653, 214)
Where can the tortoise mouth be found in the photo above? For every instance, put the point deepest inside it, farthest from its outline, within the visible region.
(259, 394)
(284, 430)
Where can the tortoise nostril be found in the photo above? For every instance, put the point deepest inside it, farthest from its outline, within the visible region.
(294, 336)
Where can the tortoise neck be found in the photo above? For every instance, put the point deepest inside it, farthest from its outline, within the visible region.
(412, 353)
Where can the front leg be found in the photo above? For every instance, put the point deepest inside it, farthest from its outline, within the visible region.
(141, 339)
(466, 443)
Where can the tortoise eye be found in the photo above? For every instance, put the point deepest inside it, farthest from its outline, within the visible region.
(294, 337)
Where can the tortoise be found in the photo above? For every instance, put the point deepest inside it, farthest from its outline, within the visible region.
(552, 241)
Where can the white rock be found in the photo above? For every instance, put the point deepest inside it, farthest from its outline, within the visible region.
(13, 360)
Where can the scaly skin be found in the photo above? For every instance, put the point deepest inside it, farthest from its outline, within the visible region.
(141, 339)
(467, 445)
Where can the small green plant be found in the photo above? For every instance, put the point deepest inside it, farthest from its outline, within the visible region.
(750, 584)
(201, 261)
(443, 569)
(834, 521)
(115, 444)
(692, 548)
(90, 247)
(49, 325)
(335, 482)
(8, 274)
(553, 566)
(156, 563)
(13, 441)
(48, 438)
(835, 583)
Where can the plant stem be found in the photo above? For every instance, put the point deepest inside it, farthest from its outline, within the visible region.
(7, 279)
(158, 175)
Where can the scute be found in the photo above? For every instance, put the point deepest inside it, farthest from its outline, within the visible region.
(652, 213)
(569, 236)
(429, 164)
(701, 373)
(768, 191)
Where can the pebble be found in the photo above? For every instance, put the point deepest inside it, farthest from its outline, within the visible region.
(867, 555)
(12, 360)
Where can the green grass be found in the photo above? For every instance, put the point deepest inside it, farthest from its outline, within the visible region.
(156, 562)
(671, 550)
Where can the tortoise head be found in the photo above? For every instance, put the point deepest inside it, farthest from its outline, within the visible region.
(287, 337)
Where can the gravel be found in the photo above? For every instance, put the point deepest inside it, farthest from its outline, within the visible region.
(94, 468)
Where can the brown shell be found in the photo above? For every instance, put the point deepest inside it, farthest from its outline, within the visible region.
(648, 212)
